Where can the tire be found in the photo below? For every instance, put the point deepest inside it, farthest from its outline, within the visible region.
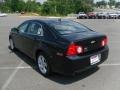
(12, 46)
(43, 64)
(86, 17)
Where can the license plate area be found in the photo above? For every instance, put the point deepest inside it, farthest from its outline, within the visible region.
(95, 59)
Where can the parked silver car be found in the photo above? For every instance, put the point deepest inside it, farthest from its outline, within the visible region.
(81, 15)
(102, 15)
(112, 15)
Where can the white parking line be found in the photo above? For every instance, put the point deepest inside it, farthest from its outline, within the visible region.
(115, 64)
(21, 67)
(29, 67)
(11, 77)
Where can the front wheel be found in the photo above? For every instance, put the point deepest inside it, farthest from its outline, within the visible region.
(43, 64)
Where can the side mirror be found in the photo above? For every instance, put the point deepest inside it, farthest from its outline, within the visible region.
(15, 30)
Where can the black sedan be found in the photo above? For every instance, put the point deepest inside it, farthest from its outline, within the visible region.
(61, 46)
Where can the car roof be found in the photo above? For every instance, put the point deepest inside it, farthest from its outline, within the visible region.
(53, 21)
(50, 21)
(46, 20)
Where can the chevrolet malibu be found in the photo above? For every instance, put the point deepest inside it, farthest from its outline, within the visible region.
(61, 46)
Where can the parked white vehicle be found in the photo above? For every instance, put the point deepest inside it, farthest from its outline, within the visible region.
(3, 14)
(102, 15)
(112, 15)
(81, 15)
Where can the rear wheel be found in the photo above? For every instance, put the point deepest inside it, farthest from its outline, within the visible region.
(12, 46)
(43, 64)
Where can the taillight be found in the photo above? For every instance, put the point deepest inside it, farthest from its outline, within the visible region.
(104, 42)
(74, 49)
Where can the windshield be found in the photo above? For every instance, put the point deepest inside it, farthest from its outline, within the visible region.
(81, 13)
(66, 27)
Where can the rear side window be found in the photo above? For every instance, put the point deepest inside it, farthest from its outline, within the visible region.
(66, 27)
(35, 29)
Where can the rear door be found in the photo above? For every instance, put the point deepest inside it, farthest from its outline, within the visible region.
(31, 37)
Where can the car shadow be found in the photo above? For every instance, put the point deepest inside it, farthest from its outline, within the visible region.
(61, 79)
(58, 78)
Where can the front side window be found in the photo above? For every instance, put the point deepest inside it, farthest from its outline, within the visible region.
(35, 29)
(23, 27)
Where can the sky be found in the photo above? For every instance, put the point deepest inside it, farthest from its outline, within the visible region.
(41, 1)
(105, 0)
(94, 0)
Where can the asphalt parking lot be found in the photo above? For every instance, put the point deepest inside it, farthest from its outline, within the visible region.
(18, 72)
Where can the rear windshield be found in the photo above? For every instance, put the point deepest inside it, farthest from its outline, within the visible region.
(67, 27)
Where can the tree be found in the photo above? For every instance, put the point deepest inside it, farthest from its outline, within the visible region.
(32, 6)
(5, 6)
(21, 6)
(50, 7)
(101, 3)
(83, 6)
(64, 7)
(117, 5)
(112, 3)
(14, 5)
(45, 9)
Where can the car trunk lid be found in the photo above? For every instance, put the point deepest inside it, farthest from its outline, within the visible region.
(88, 40)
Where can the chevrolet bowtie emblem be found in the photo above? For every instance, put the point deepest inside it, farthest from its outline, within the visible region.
(92, 42)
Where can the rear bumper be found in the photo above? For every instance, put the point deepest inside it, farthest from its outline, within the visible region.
(113, 16)
(102, 16)
(72, 65)
(91, 16)
(82, 16)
